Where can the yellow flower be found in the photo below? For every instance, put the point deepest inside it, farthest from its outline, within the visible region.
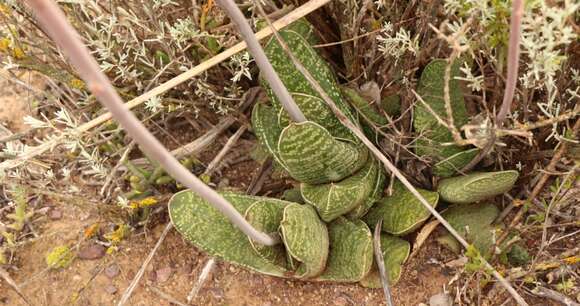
(77, 84)
(4, 9)
(572, 260)
(148, 201)
(18, 53)
(4, 44)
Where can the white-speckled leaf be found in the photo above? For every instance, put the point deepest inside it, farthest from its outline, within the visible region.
(207, 229)
(298, 85)
(351, 251)
(401, 212)
(452, 164)
(306, 239)
(311, 155)
(332, 200)
(431, 88)
(265, 216)
(377, 193)
(395, 253)
(266, 129)
(473, 222)
(476, 186)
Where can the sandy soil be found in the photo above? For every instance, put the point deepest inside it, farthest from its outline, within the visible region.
(16, 100)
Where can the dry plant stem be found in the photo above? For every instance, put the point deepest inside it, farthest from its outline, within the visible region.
(381, 263)
(55, 23)
(551, 206)
(449, 125)
(113, 171)
(166, 296)
(389, 166)
(13, 285)
(198, 144)
(217, 159)
(262, 61)
(554, 295)
(542, 181)
(296, 14)
(512, 60)
(209, 265)
(137, 278)
(511, 80)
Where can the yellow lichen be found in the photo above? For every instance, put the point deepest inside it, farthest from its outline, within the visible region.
(118, 235)
(572, 260)
(59, 257)
(4, 9)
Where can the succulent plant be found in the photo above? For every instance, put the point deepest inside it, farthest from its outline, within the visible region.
(335, 199)
(324, 237)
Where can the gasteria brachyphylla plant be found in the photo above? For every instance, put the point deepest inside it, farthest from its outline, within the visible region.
(328, 238)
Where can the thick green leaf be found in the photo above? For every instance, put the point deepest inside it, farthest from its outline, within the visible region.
(377, 193)
(395, 253)
(452, 164)
(207, 229)
(299, 86)
(476, 186)
(473, 222)
(431, 88)
(306, 239)
(266, 129)
(335, 199)
(364, 106)
(401, 212)
(351, 251)
(265, 216)
(311, 155)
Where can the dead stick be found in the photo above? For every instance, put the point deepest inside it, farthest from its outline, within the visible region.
(137, 278)
(217, 159)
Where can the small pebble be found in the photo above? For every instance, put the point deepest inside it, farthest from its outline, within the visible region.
(163, 274)
(441, 299)
(110, 289)
(112, 271)
(187, 268)
(55, 214)
(92, 252)
(152, 275)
